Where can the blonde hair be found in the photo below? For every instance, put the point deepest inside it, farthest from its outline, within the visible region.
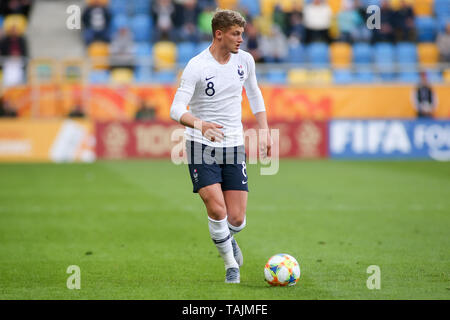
(224, 19)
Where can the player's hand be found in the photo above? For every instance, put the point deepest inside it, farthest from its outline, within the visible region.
(212, 132)
(265, 144)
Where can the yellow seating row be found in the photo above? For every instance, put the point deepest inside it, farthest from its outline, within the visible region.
(15, 21)
(164, 54)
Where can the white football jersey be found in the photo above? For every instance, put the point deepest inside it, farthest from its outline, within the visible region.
(213, 92)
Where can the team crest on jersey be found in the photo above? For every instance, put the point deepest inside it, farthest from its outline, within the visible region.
(241, 72)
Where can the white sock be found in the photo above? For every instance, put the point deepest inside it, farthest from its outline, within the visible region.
(220, 234)
(234, 229)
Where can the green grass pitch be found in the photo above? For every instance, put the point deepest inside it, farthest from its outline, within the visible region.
(137, 231)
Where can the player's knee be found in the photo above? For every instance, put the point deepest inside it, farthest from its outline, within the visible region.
(236, 221)
(217, 210)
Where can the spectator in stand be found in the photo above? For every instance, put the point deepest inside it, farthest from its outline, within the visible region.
(295, 27)
(163, 12)
(349, 23)
(387, 17)
(13, 44)
(443, 43)
(96, 22)
(274, 46)
(251, 42)
(186, 20)
(15, 7)
(13, 48)
(404, 22)
(5, 109)
(204, 23)
(202, 4)
(280, 18)
(424, 98)
(121, 50)
(317, 19)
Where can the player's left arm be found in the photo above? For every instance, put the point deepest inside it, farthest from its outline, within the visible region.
(256, 100)
(265, 140)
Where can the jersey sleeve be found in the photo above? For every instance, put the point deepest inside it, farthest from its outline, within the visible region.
(254, 94)
(184, 92)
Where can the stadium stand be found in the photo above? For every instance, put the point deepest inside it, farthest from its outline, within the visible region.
(336, 61)
(355, 58)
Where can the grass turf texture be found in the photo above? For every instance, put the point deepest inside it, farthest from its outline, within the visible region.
(138, 232)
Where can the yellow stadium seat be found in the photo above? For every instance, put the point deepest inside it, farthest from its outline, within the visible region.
(334, 32)
(298, 76)
(17, 21)
(302, 76)
(98, 52)
(341, 54)
(321, 76)
(446, 75)
(423, 7)
(290, 5)
(121, 76)
(428, 53)
(335, 5)
(104, 2)
(164, 55)
(264, 24)
(227, 4)
(267, 7)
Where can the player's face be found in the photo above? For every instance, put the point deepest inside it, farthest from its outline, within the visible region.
(232, 38)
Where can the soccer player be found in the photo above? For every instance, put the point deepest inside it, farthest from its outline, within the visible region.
(211, 84)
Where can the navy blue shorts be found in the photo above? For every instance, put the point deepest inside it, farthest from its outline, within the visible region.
(210, 165)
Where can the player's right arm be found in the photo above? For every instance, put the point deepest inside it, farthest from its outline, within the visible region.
(179, 112)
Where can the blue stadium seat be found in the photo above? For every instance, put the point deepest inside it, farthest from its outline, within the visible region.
(384, 59)
(442, 23)
(1, 22)
(99, 76)
(142, 26)
(252, 6)
(142, 6)
(143, 49)
(202, 46)
(185, 52)
(362, 53)
(119, 21)
(318, 55)
(387, 76)
(442, 8)
(119, 6)
(165, 77)
(406, 53)
(426, 28)
(434, 76)
(384, 54)
(408, 76)
(143, 75)
(296, 54)
(276, 77)
(342, 76)
(364, 76)
(371, 2)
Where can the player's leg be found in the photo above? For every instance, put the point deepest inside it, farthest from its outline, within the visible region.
(236, 204)
(214, 201)
(235, 190)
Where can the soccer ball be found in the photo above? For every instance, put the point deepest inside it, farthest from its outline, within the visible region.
(281, 270)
